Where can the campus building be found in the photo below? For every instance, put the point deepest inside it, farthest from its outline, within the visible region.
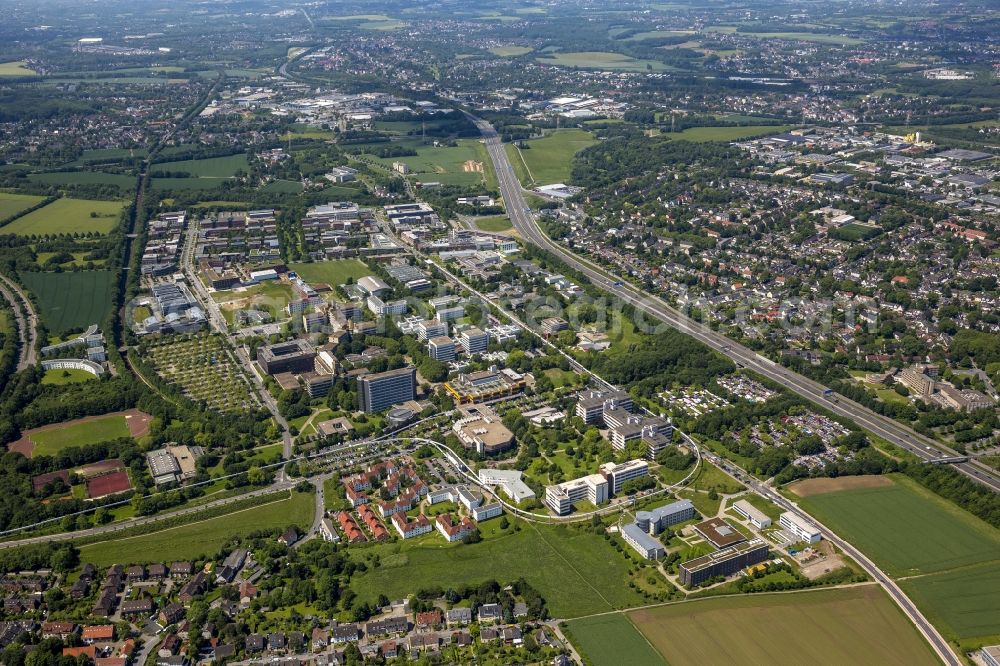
(656, 520)
(294, 356)
(592, 404)
(562, 497)
(722, 562)
(384, 389)
(645, 545)
(441, 348)
(509, 481)
(618, 475)
(475, 341)
(754, 516)
(803, 530)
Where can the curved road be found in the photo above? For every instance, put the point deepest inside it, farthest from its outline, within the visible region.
(27, 330)
(886, 428)
(524, 221)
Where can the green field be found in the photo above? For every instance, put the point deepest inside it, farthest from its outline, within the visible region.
(212, 167)
(962, 603)
(83, 178)
(548, 160)
(658, 34)
(495, 224)
(15, 69)
(193, 541)
(444, 164)
(612, 639)
(12, 204)
(71, 300)
(818, 37)
(905, 528)
(602, 60)
(71, 376)
(331, 272)
(857, 625)
(577, 572)
(67, 216)
(511, 51)
(705, 134)
(52, 441)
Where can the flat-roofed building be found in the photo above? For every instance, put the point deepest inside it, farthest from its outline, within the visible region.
(382, 390)
(643, 543)
(430, 328)
(591, 405)
(722, 562)
(991, 655)
(561, 497)
(617, 475)
(293, 356)
(719, 533)
(802, 529)
(475, 341)
(481, 429)
(754, 516)
(656, 520)
(441, 348)
(509, 481)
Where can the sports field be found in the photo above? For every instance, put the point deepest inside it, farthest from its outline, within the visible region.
(577, 572)
(71, 300)
(331, 272)
(50, 440)
(906, 529)
(12, 204)
(612, 639)
(602, 60)
(856, 625)
(68, 216)
(204, 538)
(548, 160)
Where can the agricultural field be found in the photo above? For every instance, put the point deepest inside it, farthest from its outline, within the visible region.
(83, 178)
(962, 603)
(781, 628)
(511, 51)
(705, 134)
(611, 640)
(205, 370)
(906, 529)
(68, 216)
(71, 300)
(602, 60)
(204, 174)
(331, 272)
(576, 571)
(15, 69)
(12, 204)
(77, 260)
(548, 160)
(203, 538)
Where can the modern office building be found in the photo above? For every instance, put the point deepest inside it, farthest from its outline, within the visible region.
(294, 356)
(755, 516)
(719, 533)
(441, 348)
(656, 520)
(430, 328)
(591, 405)
(475, 341)
(624, 427)
(450, 313)
(722, 562)
(385, 389)
(617, 475)
(802, 530)
(645, 545)
(561, 497)
(509, 481)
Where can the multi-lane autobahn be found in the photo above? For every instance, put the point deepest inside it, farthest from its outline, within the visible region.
(884, 427)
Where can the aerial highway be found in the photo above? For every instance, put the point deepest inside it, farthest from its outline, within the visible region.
(524, 221)
(27, 327)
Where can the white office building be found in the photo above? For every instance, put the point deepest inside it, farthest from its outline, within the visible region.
(562, 497)
(754, 516)
(801, 529)
(617, 475)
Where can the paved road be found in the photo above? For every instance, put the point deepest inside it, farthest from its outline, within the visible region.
(896, 433)
(524, 222)
(218, 322)
(27, 328)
